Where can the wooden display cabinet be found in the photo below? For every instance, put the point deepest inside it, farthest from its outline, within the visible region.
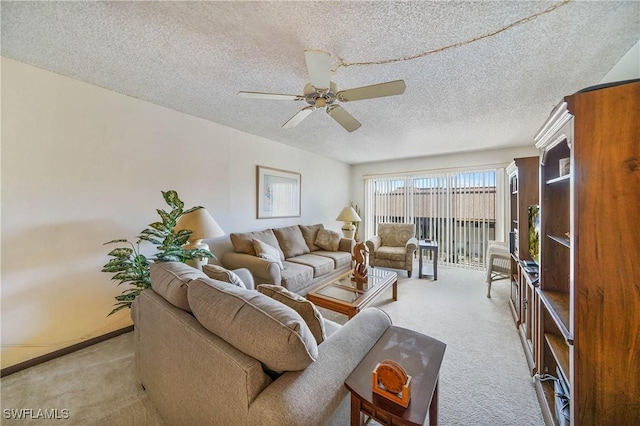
(589, 293)
(523, 184)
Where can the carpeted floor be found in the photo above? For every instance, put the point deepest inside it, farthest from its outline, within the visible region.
(484, 378)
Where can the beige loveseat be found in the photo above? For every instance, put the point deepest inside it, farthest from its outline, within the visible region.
(306, 255)
(212, 353)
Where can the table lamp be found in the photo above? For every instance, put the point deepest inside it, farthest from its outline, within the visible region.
(202, 226)
(348, 215)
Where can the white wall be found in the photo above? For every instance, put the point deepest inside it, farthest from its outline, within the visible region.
(627, 68)
(82, 165)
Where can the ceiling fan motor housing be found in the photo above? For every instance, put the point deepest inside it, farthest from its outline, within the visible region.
(320, 98)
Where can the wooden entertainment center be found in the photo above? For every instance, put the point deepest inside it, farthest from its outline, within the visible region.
(580, 318)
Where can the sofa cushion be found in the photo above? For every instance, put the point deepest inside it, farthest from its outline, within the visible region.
(340, 258)
(170, 279)
(321, 265)
(219, 273)
(295, 276)
(309, 233)
(328, 240)
(305, 308)
(291, 241)
(267, 251)
(243, 242)
(259, 326)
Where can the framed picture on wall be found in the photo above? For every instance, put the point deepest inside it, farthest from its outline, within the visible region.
(278, 193)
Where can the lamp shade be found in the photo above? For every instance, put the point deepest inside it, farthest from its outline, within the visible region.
(348, 214)
(201, 224)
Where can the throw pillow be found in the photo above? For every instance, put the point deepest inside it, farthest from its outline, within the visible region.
(268, 252)
(305, 308)
(243, 243)
(219, 273)
(328, 240)
(310, 232)
(291, 241)
(255, 324)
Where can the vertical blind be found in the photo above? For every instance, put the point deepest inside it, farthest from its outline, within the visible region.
(459, 210)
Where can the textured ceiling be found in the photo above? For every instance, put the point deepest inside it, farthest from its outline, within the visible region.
(195, 56)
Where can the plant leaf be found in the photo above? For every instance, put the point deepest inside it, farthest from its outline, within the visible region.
(116, 241)
(192, 209)
(121, 252)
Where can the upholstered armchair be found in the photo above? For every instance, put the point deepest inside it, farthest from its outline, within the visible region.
(393, 246)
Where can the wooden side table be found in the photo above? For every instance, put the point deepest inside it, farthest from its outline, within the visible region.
(421, 357)
(428, 246)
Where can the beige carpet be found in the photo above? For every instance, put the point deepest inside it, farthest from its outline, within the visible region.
(483, 381)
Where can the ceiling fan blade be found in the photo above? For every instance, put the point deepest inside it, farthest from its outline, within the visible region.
(319, 66)
(374, 91)
(343, 118)
(298, 117)
(276, 96)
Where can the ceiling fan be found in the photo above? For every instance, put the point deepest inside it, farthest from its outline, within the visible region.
(321, 93)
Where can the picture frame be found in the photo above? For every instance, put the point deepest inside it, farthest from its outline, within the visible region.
(278, 193)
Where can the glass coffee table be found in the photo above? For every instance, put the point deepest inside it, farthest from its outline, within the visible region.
(342, 295)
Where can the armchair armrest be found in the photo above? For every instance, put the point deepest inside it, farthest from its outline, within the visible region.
(316, 392)
(412, 244)
(263, 270)
(374, 243)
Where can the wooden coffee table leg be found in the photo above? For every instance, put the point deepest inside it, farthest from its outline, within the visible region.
(433, 407)
(395, 290)
(357, 418)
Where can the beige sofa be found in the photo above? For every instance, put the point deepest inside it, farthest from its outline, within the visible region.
(195, 376)
(306, 255)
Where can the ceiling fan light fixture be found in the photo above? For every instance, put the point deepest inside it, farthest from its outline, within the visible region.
(322, 93)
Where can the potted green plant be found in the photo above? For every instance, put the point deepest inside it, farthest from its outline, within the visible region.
(131, 267)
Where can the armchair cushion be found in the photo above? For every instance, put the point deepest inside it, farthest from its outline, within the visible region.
(396, 234)
(391, 253)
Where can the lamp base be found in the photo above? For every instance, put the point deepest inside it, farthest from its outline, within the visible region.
(348, 230)
(198, 262)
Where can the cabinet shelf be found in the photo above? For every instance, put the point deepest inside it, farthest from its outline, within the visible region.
(557, 304)
(560, 351)
(561, 240)
(559, 179)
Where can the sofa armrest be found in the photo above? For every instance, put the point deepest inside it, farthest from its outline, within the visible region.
(347, 244)
(304, 397)
(247, 278)
(263, 270)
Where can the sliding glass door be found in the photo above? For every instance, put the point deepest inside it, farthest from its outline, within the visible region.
(457, 209)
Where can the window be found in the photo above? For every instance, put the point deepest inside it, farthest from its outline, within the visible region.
(457, 209)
